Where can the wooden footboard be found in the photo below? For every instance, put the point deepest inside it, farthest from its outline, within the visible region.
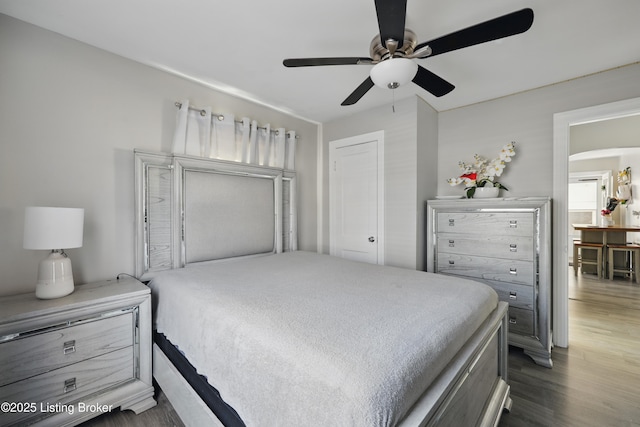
(472, 391)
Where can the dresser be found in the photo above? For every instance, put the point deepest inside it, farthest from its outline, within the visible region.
(66, 360)
(506, 244)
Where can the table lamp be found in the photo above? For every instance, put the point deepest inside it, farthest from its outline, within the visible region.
(54, 229)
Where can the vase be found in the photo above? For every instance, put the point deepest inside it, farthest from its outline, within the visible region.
(486, 193)
(606, 220)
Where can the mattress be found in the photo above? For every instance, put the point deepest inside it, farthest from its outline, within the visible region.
(306, 339)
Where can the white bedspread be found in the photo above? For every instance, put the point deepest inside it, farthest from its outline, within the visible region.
(301, 339)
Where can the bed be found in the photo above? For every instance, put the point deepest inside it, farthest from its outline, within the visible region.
(251, 331)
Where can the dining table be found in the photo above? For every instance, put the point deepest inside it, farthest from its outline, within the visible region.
(605, 234)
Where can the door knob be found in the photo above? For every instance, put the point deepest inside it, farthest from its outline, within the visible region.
(372, 239)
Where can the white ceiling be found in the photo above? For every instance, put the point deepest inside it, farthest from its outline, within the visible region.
(238, 46)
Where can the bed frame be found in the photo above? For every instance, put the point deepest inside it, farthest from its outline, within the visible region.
(190, 209)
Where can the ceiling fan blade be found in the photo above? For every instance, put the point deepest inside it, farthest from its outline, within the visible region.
(432, 83)
(312, 62)
(391, 19)
(493, 29)
(359, 92)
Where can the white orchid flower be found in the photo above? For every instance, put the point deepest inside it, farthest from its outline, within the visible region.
(484, 170)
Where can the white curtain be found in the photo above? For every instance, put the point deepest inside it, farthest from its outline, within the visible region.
(193, 131)
(290, 151)
(201, 133)
(223, 137)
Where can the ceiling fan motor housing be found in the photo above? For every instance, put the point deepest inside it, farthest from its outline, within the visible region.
(380, 52)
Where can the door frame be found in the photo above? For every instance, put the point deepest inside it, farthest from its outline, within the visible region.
(561, 144)
(377, 136)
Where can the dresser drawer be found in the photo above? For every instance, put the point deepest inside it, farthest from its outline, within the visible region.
(495, 246)
(501, 270)
(521, 321)
(40, 353)
(520, 296)
(486, 223)
(66, 384)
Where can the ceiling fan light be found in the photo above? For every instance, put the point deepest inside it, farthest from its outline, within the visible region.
(393, 72)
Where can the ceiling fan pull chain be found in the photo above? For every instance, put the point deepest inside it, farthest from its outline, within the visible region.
(393, 101)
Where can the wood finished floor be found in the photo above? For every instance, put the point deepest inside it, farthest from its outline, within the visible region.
(595, 382)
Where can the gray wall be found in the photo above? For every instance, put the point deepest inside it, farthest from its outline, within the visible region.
(483, 128)
(427, 174)
(410, 140)
(616, 133)
(70, 117)
(526, 118)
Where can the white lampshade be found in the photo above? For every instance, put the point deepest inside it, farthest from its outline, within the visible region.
(55, 229)
(393, 72)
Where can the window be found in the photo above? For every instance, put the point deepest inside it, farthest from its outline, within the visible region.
(583, 202)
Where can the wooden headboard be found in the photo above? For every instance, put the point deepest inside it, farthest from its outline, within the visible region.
(191, 209)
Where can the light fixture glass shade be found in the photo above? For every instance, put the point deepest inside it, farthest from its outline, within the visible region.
(393, 72)
(54, 229)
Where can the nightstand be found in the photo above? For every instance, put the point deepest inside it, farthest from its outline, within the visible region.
(66, 360)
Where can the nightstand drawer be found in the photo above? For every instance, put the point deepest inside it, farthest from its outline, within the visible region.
(53, 349)
(66, 384)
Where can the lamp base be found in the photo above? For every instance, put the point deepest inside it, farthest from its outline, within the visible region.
(55, 278)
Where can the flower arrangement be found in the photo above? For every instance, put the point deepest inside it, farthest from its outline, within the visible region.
(483, 172)
(611, 206)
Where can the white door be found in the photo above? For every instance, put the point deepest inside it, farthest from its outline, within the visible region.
(356, 198)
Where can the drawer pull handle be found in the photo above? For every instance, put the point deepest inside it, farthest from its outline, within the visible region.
(513, 224)
(452, 222)
(69, 385)
(513, 247)
(452, 243)
(513, 295)
(513, 271)
(451, 262)
(69, 347)
(512, 320)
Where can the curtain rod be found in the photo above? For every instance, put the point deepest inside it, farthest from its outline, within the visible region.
(220, 117)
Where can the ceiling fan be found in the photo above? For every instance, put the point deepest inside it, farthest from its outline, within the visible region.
(393, 50)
